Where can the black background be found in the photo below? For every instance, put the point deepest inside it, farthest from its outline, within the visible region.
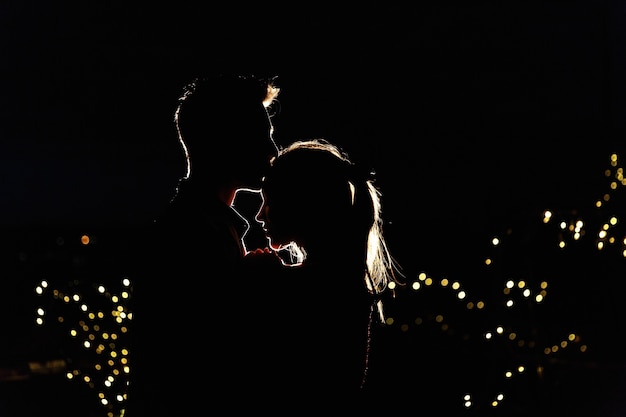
(476, 117)
(473, 114)
(470, 108)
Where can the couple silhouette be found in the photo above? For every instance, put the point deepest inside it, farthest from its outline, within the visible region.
(292, 319)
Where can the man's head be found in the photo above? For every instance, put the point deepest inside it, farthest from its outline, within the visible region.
(224, 125)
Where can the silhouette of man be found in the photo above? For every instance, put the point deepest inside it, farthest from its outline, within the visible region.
(185, 344)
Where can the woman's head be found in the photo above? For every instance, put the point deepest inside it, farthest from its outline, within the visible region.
(307, 194)
(317, 200)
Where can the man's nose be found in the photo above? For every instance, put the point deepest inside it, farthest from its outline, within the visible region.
(259, 216)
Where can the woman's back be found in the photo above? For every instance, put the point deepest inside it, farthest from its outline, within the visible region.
(314, 342)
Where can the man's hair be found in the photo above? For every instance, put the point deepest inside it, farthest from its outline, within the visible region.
(213, 112)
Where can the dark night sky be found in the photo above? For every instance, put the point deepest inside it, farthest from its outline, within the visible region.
(476, 110)
(475, 115)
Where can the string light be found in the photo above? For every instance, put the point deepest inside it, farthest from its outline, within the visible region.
(97, 319)
(521, 293)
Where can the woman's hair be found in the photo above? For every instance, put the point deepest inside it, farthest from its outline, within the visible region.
(332, 191)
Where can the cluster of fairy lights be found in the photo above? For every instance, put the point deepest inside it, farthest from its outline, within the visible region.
(102, 331)
(571, 229)
(99, 326)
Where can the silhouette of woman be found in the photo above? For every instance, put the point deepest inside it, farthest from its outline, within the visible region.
(322, 217)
